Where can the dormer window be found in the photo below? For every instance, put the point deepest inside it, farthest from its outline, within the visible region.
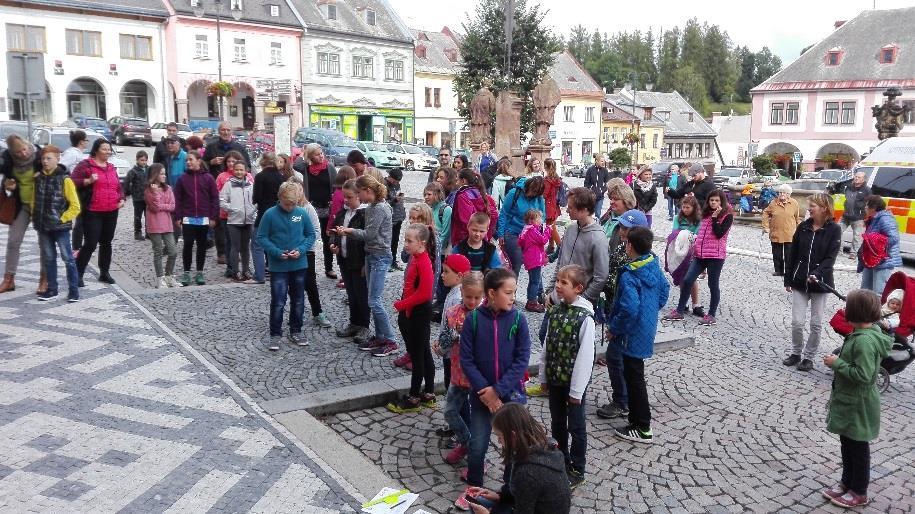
(370, 17)
(572, 79)
(834, 56)
(690, 117)
(331, 12)
(236, 5)
(647, 114)
(274, 10)
(888, 54)
(451, 54)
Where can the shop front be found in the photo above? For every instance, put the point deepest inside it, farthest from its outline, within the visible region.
(365, 124)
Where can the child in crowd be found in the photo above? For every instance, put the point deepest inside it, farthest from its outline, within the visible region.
(481, 253)
(286, 233)
(500, 182)
(398, 212)
(565, 366)
(196, 212)
(160, 204)
(584, 243)
(235, 200)
(377, 238)
(351, 257)
(854, 402)
(642, 293)
(457, 405)
(688, 219)
(434, 196)
(414, 316)
(532, 240)
(422, 214)
(344, 174)
(495, 352)
(889, 313)
(56, 206)
(221, 233)
(136, 181)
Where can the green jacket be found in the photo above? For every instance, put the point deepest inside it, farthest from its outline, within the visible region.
(854, 404)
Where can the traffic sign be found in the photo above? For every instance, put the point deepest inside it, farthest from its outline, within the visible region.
(797, 157)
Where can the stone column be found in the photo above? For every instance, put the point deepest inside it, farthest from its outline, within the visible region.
(259, 114)
(182, 110)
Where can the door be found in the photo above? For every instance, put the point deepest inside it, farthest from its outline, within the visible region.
(247, 113)
(365, 128)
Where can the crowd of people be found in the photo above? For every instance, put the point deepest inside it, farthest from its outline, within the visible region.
(464, 247)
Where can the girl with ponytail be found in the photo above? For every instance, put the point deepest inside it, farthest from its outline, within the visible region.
(471, 198)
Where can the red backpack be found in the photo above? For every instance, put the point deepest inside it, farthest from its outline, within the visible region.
(873, 249)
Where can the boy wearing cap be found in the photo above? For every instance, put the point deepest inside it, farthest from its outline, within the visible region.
(398, 212)
(698, 184)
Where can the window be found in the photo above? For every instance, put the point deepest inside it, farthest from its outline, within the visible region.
(791, 113)
(201, 47)
(370, 16)
(363, 67)
(331, 12)
(678, 150)
(670, 150)
(236, 5)
(646, 113)
(276, 54)
(848, 113)
(328, 64)
(25, 38)
(910, 115)
(241, 52)
(589, 114)
(136, 47)
(84, 42)
(666, 115)
(833, 58)
(654, 140)
(437, 95)
(776, 113)
(708, 149)
(689, 150)
(894, 183)
(690, 117)
(274, 10)
(428, 97)
(642, 142)
(393, 70)
(195, 3)
(568, 113)
(888, 55)
(831, 114)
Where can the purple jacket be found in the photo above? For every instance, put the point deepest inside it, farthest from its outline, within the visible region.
(196, 195)
(495, 351)
(533, 240)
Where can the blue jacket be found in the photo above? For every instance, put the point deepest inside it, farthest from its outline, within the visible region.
(281, 231)
(175, 167)
(511, 217)
(642, 293)
(495, 354)
(885, 223)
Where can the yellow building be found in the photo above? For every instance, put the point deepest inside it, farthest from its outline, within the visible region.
(576, 126)
(618, 124)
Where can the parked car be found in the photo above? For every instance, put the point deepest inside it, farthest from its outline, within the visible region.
(8, 128)
(835, 175)
(88, 122)
(322, 136)
(660, 171)
(413, 157)
(574, 171)
(127, 131)
(733, 176)
(60, 137)
(378, 155)
(429, 149)
(339, 150)
(158, 131)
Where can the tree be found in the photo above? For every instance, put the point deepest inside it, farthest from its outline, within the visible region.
(579, 43)
(690, 84)
(620, 157)
(763, 162)
(719, 71)
(483, 51)
(747, 77)
(767, 64)
(692, 48)
(668, 59)
(606, 69)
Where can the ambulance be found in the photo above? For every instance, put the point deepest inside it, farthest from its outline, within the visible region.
(890, 172)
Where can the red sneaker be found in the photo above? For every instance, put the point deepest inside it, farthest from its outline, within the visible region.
(834, 491)
(850, 500)
(402, 360)
(458, 453)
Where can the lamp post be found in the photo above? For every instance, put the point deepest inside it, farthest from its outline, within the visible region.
(634, 77)
(200, 11)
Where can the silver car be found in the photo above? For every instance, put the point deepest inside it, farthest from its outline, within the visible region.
(60, 137)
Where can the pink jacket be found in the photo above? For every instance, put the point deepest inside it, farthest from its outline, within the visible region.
(467, 201)
(707, 246)
(336, 203)
(159, 208)
(532, 240)
(106, 191)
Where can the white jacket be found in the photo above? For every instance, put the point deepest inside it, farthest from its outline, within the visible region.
(584, 361)
(235, 199)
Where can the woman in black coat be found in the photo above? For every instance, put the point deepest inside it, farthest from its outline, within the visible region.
(646, 194)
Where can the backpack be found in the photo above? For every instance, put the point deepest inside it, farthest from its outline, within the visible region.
(562, 195)
(873, 249)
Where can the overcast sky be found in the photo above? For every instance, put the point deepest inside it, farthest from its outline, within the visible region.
(785, 26)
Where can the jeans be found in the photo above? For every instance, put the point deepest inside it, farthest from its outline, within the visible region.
(696, 267)
(168, 241)
(781, 253)
(857, 232)
(598, 206)
(799, 301)
(258, 257)
(480, 432)
(416, 331)
(457, 413)
(856, 464)
(875, 279)
(283, 283)
(192, 234)
(52, 242)
(534, 283)
(648, 218)
(568, 419)
(639, 409)
(513, 251)
(98, 231)
(670, 207)
(239, 242)
(139, 207)
(311, 285)
(620, 393)
(357, 293)
(377, 266)
(325, 246)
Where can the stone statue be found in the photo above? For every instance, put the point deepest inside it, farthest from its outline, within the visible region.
(508, 128)
(891, 115)
(546, 98)
(481, 108)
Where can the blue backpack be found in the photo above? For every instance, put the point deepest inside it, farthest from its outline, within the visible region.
(562, 196)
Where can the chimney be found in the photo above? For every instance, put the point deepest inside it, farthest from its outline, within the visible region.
(716, 114)
(838, 23)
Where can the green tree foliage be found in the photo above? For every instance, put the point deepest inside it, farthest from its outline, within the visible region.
(692, 86)
(763, 162)
(483, 52)
(620, 157)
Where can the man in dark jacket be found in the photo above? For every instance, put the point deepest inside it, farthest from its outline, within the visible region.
(596, 180)
(216, 151)
(161, 153)
(698, 185)
(853, 217)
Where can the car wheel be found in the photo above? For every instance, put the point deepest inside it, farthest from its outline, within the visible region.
(409, 166)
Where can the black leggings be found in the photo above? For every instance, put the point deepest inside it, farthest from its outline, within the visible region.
(395, 240)
(416, 331)
(856, 464)
(325, 246)
(311, 285)
(194, 234)
(98, 231)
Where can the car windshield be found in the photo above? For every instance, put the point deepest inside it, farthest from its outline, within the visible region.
(431, 150)
(96, 123)
(412, 149)
(8, 129)
(832, 174)
(729, 172)
(183, 128)
(342, 142)
(373, 147)
(61, 140)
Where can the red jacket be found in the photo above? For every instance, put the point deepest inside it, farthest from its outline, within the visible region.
(468, 201)
(106, 191)
(417, 284)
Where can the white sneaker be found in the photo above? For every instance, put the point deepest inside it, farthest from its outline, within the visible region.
(161, 283)
(171, 281)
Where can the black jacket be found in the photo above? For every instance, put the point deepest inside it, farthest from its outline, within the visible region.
(355, 248)
(266, 188)
(813, 253)
(218, 149)
(854, 202)
(596, 180)
(538, 485)
(700, 190)
(160, 155)
(301, 166)
(645, 201)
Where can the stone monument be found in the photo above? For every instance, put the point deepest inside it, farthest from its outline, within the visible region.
(891, 115)
(508, 130)
(481, 109)
(546, 98)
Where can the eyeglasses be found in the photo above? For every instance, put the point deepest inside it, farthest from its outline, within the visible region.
(444, 155)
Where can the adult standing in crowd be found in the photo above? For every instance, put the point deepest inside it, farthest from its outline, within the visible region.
(215, 152)
(74, 154)
(646, 193)
(18, 165)
(444, 161)
(853, 216)
(697, 184)
(319, 174)
(460, 162)
(552, 184)
(469, 199)
(264, 196)
(596, 180)
(356, 160)
(671, 183)
(174, 161)
(527, 194)
(879, 221)
(780, 220)
(487, 158)
(813, 253)
(534, 168)
(161, 153)
(98, 178)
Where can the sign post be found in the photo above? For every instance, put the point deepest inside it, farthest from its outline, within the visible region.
(25, 73)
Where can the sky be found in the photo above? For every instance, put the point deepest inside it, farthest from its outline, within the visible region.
(785, 26)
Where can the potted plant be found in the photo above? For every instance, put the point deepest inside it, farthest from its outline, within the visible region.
(632, 138)
(221, 88)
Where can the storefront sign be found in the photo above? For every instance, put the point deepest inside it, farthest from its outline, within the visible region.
(282, 134)
(274, 108)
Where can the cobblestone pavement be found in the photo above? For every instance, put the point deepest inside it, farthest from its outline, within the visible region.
(103, 411)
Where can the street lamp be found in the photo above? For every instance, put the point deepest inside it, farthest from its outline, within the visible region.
(200, 11)
(634, 77)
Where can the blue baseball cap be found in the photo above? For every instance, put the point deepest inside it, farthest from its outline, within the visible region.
(633, 218)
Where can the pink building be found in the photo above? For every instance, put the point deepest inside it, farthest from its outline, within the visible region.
(820, 105)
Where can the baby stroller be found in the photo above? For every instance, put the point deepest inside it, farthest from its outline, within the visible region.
(902, 352)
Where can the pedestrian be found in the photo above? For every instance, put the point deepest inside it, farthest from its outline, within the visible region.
(136, 181)
(447, 178)
(688, 219)
(709, 253)
(434, 196)
(532, 240)
(357, 161)
(643, 292)
(286, 233)
(444, 161)
(854, 401)
(470, 198)
(351, 258)
(72, 155)
(813, 253)
(596, 180)
(196, 211)
(487, 158)
(161, 152)
(874, 275)
(695, 184)
(673, 180)
(215, 152)
(856, 194)
(780, 220)
(460, 162)
(553, 188)
(526, 194)
(646, 193)
(56, 205)
(160, 207)
(481, 253)
(535, 477)
(377, 238)
(495, 353)
(19, 164)
(235, 200)
(319, 177)
(398, 212)
(220, 233)
(565, 366)
(194, 144)
(344, 174)
(502, 181)
(264, 195)
(174, 160)
(311, 278)
(98, 177)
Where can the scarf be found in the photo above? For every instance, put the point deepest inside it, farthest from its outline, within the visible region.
(315, 169)
(644, 186)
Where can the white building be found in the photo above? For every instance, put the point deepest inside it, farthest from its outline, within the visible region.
(100, 59)
(357, 69)
(733, 138)
(437, 57)
(577, 122)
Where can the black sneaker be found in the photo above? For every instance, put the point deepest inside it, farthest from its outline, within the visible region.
(47, 296)
(698, 311)
(612, 410)
(805, 365)
(575, 479)
(73, 298)
(444, 431)
(634, 434)
(791, 360)
(106, 278)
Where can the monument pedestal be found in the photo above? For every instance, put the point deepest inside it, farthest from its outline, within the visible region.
(540, 152)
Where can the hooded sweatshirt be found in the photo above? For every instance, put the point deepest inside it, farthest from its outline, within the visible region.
(642, 293)
(377, 231)
(586, 246)
(196, 195)
(583, 360)
(498, 188)
(467, 201)
(538, 484)
(515, 206)
(854, 403)
(235, 200)
(495, 351)
(282, 231)
(159, 208)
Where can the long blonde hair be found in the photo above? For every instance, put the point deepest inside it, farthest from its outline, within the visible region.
(423, 212)
(376, 187)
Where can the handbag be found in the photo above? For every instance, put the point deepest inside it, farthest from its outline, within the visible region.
(873, 249)
(7, 208)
